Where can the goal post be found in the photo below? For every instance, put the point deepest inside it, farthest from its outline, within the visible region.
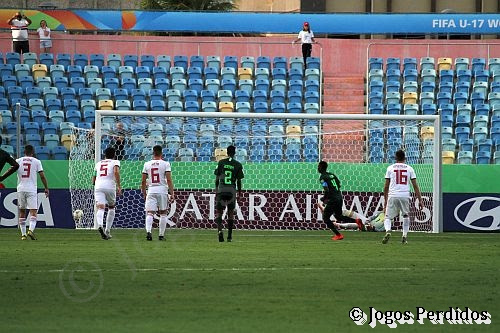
(278, 192)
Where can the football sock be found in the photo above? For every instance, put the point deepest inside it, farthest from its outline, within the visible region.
(230, 225)
(333, 228)
(406, 226)
(109, 219)
(219, 223)
(100, 217)
(163, 224)
(22, 225)
(387, 225)
(149, 222)
(32, 223)
(349, 225)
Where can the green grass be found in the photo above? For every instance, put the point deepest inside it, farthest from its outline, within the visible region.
(70, 280)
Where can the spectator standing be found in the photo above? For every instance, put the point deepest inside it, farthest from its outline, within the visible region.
(306, 37)
(45, 40)
(19, 27)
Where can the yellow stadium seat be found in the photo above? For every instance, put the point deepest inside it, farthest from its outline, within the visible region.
(427, 133)
(106, 104)
(444, 63)
(226, 107)
(448, 157)
(39, 70)
(410, 97)
(293, 130)
(68, 140)
(244, 73)
(220, 153)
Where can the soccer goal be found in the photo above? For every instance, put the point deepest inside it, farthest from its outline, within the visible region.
(279, 152)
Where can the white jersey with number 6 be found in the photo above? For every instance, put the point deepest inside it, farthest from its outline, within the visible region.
(400, 175)
(105, 175)
(29, 167)
(155, 170)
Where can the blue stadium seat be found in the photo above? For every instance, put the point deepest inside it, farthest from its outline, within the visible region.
(60, 153)
(80, 60)
(231, 61)
(478, 64)
(97, 60)
(77, 83)
(280, 62)
(264, 62)
(73, 116)
(194, 72)
(260, 107)
(229, 84)
(292, 107)
(190, 95)
(162, 84)
(211, 73)
(464, 75)
(142, 72)
(42, 152)
(138, 94)
(148, 61)
(181, 61)
(130, 60)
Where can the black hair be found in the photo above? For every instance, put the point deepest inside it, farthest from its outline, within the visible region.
(231, 150)
(323, 165)
(109, 152)
(400, 156)
(157, 150)
(1, 139)
(29, 150)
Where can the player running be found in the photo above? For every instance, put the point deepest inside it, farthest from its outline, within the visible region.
(6, 158)
(27, 196)
(397, 195)
(333, 201)
(107, 186)
(158, 175)
(228, 176)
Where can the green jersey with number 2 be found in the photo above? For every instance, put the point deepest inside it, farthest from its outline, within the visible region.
(228, 172)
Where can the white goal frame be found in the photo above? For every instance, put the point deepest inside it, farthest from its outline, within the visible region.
(436, 119)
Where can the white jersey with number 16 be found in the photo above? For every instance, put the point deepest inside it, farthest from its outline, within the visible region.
(155, 170)
(105, 175)
(400, 175)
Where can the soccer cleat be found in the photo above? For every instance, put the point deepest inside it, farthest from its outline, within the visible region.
(404, 240)
(161, 238)
(386, 238)
(23, 237)
(31, 235)
(338, 237)
(360, 224)
(149, 237)
(103, 234)
(221, 236)
(108, 234)
(229, 239)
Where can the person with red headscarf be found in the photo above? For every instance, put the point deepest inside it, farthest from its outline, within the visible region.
(306, 37)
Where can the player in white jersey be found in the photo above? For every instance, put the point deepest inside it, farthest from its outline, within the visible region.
(106, 183)
(397, 194)
(27, 196)
(157, 175)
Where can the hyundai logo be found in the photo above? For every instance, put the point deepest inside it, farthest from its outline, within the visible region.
(472, 210)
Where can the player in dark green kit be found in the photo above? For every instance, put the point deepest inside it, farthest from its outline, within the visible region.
(332, 199)
(6, 158)
(228, 176)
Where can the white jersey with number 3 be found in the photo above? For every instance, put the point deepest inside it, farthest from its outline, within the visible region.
(29, 167)
(400, 175)
(105, 175)
(155, 170)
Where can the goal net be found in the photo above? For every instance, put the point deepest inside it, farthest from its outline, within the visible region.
(279, 153)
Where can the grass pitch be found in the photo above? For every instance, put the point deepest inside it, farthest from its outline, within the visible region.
(71, 280)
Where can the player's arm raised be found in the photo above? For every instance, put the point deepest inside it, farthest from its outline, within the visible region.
(417, 193)
(170, 182)
(386, 192)
(11, 170)
(116, 171)
(44, 182)
(143, 184)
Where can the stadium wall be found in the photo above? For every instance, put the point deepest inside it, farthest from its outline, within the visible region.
(340, 56)
(471, 201)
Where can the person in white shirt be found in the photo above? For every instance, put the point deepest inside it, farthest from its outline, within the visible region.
(306, 37)
(157, 175)
(397, 194)
(107, 186)
(27, 196)
(19, 27)
(44, 34)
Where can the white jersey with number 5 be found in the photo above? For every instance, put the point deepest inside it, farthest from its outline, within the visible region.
(29, 167)
(400, 175)
(155, 170)
(105, 175)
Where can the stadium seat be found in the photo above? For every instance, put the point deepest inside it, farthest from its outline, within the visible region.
(130, 60)
(106, 105)
(42, 152)
(46, 59)
(26, 82)
(294, 107)
(121, 104)
(29, 58)
(428, 75)
(97, 60)
(149, 61)
(444, 64)
(242, 107)
(231, 61)
(264, 62)
(461, 64)
(181, 61)
(375, 63)
(39, 70)
(244, 73)
(448, 157)
(22, 70)
(483, 157)
(478, 64)
(61, 152)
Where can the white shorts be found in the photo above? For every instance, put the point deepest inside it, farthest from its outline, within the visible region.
(396, 205)
(45, 43)
(156, 201)
(27, 200)
(105, 197)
